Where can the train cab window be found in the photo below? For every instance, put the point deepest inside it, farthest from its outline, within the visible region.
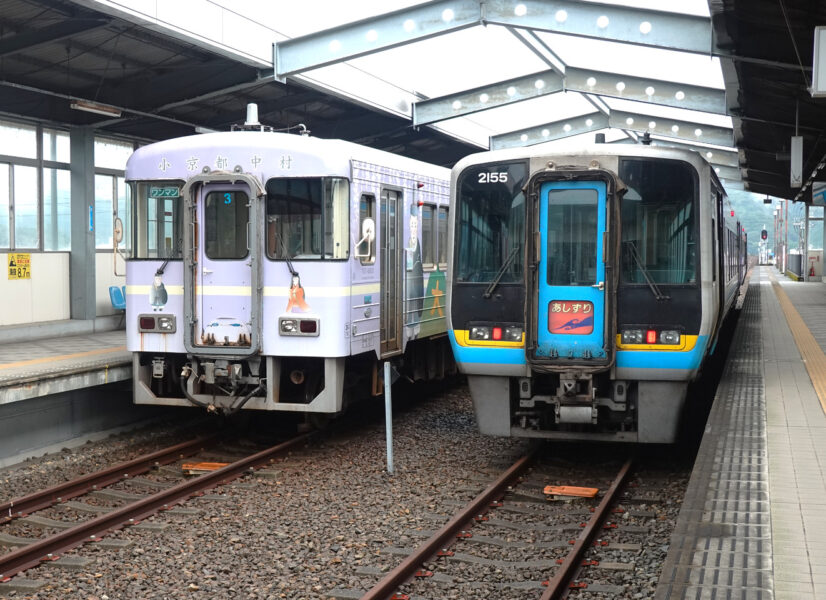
(226, 220)
(308, 218)
(572, 235)
(157, 214)
(442, 237)
(659, 224)
(490, 224)
(428, 236)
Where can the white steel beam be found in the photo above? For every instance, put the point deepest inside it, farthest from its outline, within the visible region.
(595, 83)
(723, 158)
(610, 22)
(670, 128)
(653, 28)
(486, 97)
(673, 128)
(550, 131)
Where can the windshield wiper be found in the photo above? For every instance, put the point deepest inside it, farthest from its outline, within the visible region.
(501, 272)
(654, 289)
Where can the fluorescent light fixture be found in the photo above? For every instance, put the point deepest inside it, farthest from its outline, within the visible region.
(94, 107)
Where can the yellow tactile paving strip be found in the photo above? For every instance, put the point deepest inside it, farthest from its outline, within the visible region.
(813, 356)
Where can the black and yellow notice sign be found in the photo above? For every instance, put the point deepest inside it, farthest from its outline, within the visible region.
(20, 266)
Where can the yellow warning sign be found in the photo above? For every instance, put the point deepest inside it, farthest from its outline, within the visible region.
(20, 266)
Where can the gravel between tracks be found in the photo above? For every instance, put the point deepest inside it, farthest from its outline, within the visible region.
(322, 520)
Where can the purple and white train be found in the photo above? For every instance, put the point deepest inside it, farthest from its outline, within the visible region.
(275, 271)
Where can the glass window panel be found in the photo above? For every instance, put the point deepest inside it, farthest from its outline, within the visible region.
(5, 170)
(157, 215)
(56, 145)
(18, 140)
(26, 233)
(490, 233)
(308, 217)
(428, 239)
(442, 241)
(226, 216)
(112, 154)
(572, 237)
(104, 193)
(658, 222)
(57, 209)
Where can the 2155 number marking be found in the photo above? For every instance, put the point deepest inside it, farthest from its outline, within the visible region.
(493, 177)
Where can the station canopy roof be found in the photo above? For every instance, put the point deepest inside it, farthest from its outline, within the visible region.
(435, 80)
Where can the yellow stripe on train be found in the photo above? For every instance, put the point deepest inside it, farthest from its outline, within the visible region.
(687, 343)
(463, 339)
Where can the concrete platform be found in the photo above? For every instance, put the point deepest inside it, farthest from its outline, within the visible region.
(753, 524)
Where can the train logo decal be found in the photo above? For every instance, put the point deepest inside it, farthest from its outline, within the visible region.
(296, 301)
(571, 317)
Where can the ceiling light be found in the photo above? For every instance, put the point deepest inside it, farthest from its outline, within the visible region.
(652, 124)
(649, 91)
(561, 16)
(483, 98)
(94, 107)
(539, 84)
(591, 81)
(645, 27)
(566, 128)
(698, 132)
(602, 22)
(589, 122)
(447, 15)
(675, 128)
(629, 121)
(409, 25)
(511, 91)
(524, 137)
(372, 35)
(545, 133)
(680, 95)
(519, 10)
(620, 86)
(456, 105)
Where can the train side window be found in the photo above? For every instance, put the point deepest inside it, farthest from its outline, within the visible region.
(428, 237)
(366, 245)
(442, 237)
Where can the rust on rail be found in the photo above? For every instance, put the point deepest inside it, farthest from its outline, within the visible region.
(385, 588)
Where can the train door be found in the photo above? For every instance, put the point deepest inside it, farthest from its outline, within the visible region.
(570, 305)
(391, 260)
(222, 243)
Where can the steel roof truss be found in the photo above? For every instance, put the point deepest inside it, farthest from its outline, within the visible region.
(486, 97)
(672, 128)
(652, 28)
(550, 131)
(594, 83)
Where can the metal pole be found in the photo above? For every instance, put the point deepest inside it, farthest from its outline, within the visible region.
(388, 415)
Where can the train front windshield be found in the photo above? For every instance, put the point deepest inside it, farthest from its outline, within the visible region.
(490, 234)
(659, 226)
(308, 217)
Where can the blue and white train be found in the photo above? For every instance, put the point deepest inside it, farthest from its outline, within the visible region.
(276, 272)
(588, 287)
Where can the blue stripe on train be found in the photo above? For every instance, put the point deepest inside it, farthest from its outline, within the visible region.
(479, 354)
(636, 359)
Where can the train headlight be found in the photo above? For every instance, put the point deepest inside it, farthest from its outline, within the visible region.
(166, 323)
(479, 332)
(670, 337)
(632, 336)
(512, 334)
(305, 327)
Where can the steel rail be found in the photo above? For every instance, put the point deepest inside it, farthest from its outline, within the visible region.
(45, 549)
(558, 585)
(19, 507)
(447, 534)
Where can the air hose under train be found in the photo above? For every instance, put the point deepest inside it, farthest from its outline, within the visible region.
(232, 409)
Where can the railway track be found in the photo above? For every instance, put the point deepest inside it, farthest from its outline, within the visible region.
(173, 489)
(510, 541)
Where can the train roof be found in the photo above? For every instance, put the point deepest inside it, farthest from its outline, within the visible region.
(552, 150)
(264, 153)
